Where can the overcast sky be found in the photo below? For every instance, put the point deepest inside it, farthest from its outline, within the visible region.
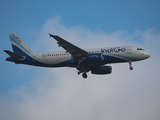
(34, 93)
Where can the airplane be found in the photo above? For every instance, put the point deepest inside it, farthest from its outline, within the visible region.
(93, 60)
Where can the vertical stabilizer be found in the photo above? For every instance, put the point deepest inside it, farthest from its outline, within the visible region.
(18, 45)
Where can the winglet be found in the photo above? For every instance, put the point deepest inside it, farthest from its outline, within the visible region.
(54, 36)
(50, 35)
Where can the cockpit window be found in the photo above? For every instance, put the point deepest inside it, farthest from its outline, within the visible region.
(140, 49)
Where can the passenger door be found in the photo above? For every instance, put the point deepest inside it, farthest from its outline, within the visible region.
(129, 50)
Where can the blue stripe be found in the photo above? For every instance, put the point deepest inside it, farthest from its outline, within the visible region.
(71, 63)
(16, 42)
(17, 51)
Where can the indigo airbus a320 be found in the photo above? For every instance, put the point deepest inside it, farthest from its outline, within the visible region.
(93, 60)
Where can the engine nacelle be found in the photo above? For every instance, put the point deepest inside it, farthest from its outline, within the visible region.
(94, 57)
(102, 70)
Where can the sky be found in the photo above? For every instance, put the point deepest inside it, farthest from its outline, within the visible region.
(35, 93)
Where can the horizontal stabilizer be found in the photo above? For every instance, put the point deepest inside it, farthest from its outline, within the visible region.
(14, 55)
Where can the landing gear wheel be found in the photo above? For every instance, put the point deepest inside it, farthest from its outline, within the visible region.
(84, 75)
(131, 68)
(130, 65)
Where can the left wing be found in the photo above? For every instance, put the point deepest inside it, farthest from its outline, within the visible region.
(75, 51)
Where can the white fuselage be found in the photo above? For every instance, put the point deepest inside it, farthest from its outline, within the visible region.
(126, 53)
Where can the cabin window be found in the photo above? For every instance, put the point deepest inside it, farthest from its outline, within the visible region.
(140, 49)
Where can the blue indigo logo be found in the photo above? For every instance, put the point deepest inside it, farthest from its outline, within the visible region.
(111, 50)
(17, 38)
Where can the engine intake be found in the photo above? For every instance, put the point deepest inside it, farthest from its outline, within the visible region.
(102, 70)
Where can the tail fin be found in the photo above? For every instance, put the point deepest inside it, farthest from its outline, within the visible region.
(18, 45)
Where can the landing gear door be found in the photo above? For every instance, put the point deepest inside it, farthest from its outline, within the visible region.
(129, 50)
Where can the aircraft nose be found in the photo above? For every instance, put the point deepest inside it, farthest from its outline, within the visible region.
(147, 54)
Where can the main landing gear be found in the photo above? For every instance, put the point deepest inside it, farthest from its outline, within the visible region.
(82, 70)
(130, 65)
(84, 75)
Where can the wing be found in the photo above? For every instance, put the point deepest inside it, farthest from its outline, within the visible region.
(75, 51)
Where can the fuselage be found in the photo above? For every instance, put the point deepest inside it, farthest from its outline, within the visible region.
(63, 59)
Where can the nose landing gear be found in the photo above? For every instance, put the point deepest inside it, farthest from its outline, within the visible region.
(130, 65)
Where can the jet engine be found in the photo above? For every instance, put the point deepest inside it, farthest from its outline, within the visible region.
(102, 70)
